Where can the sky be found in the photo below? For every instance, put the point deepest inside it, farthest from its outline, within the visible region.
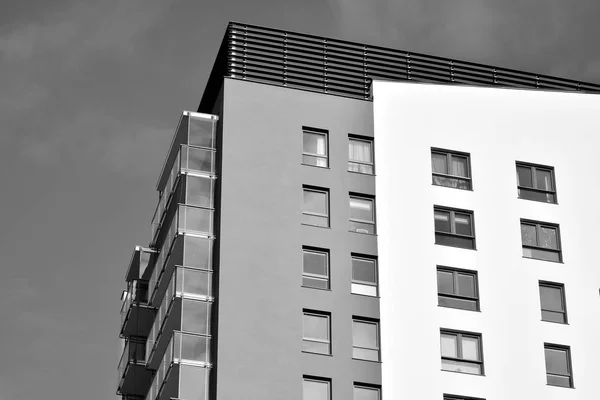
(90, 95)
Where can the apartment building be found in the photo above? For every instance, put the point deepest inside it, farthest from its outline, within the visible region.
(343, 221)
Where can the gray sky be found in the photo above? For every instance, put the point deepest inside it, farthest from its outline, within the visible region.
(90, 93)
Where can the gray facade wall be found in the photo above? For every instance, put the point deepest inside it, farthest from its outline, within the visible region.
(261, 237)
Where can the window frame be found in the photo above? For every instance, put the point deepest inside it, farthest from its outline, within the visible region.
(318, 379)
(363, 197)
(455, 272)
(459, 335)
(371, 321)
(371, 142)
(315, 189)
(319, 314)
(366, 386)
(353, 281)
(452, 222)
(538, 226)
(561, 287)
(533, 168)
(316, 131)
(320, 251)
(567, 350)
(449, 153)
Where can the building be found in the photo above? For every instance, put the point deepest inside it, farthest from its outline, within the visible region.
(294, 256)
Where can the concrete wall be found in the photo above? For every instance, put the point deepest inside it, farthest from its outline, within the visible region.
(498, 127)
(261, 237)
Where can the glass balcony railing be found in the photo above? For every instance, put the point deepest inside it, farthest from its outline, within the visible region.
(183, 372)
(194, 286)
(132, 373)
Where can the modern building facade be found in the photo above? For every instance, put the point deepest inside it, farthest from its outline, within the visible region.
(342, 221)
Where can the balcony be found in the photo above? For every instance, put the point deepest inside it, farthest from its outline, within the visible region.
(185, 306)
(184, 369)
(133, 377)
(136, 313)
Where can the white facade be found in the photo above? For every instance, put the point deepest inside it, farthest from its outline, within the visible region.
(497, 127)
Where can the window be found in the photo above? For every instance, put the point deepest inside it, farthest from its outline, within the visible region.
(360, 155)
(364, 275)
(540, 241)
(535, 182)
(316, 332)
(454, 227)
(457, 289)
(455, 397)
(316, 388)
(461, 352)
(451, 169)
(316, 207)
(362, 214)
(315, 268)
(314, 147)
(365, 339)
(552, 301)
(366, 392)
(558, 365)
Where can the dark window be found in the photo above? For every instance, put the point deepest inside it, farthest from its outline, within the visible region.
(360, 155)
(461, 352)
(540, 241)
(315, 209)
(365, 339)
(558, 365)
(315, 268)
(364, 275)
(454, 227)
(536, 182)
(366, 392)
(457, 288)
(552, 301)
(314, 147)
(316, 332)
(362, 214)
(451, 169)
(314, 388)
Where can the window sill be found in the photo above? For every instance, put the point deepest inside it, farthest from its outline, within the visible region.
(315, 288)
(316, 226)
(564, 387)
(362, 233)
(371, 361)
(461, 309)
(317, 354)
(537, 201)
(539, 259)
(316, 166)
(556, 323)
(462, 373)
(360, 173)
(450, 187)
(365, 295)
(457, 247)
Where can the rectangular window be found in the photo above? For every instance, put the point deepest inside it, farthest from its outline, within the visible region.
(536, 182)
(558, 365)
(314, 147)
(364, 275)
(365, 339)
(316, 330)
(314, 388)
(552, 301)
(362, 214)
(540, 241)
(454, 227)
(457, 288)
(451, 169)
(461, 352)
(315, 268)
(360, 155)
(315, 209)
(366, 392)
